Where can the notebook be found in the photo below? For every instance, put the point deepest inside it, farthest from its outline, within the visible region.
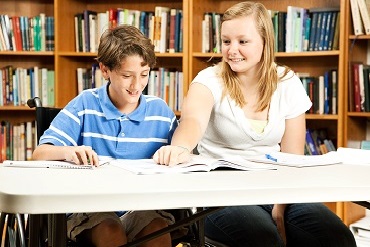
(45, 164)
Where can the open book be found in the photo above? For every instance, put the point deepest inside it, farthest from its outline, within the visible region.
(45, 164)
(197, 163)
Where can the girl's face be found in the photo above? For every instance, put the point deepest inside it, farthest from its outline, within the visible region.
(242, 46)
(128, 83)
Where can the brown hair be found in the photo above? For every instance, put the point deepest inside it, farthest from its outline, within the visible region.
(118, 43)
(267, 73)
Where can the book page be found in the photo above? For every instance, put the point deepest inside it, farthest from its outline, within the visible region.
(197, 163)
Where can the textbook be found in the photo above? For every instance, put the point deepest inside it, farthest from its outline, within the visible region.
(45, 164)
(197, 163)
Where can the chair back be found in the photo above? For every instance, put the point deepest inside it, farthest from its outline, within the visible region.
(44, 115)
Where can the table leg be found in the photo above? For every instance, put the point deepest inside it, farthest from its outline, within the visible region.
(58, 234)
(34, 221)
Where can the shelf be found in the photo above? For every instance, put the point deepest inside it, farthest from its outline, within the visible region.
(359, 114)
(94, 54)
(27, 53)
(16, 108)
(321, 117)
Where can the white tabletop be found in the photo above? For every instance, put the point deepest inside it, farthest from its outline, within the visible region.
(108, 188)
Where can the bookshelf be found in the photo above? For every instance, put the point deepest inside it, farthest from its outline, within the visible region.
(313, 62)
(355, 123)
(67, 60)
(64, 60)
(25, 59)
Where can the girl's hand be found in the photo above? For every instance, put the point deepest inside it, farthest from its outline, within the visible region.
(171, 155)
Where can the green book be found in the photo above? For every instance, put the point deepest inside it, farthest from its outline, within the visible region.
(51, 88)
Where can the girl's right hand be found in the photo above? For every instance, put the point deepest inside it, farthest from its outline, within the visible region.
(171, 155)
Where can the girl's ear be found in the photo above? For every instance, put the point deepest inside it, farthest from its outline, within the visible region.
(104, 69)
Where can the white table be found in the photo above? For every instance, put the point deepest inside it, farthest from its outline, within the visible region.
(109, 188)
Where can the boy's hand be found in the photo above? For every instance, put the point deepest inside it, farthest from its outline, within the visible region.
(171, 155)
(81, 155)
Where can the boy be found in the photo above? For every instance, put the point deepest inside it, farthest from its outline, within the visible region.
(114, 121)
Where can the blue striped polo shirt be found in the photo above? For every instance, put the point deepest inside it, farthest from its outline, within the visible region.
(91, 119)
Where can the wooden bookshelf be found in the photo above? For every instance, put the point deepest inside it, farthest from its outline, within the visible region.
(65, 60)
(24, 59)
(355, 48)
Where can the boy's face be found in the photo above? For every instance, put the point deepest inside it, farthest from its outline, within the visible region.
(127, 83)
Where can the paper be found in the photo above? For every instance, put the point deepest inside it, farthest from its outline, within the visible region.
(197, 163)
(354, 156)
(297, 160)
(45, 164)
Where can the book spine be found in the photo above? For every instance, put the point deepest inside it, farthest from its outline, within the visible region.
(356, 87)
(364, 15)
(311, 143)
(356, 19)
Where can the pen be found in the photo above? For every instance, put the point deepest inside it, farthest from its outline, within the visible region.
(269, 157)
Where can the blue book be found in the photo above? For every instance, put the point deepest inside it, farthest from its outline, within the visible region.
(318, 31)
(327, 31)
(307, 32)
(311, 43)
(365, 144)
(178, 33)
(311, 143)
(327, 90)
(320, 41)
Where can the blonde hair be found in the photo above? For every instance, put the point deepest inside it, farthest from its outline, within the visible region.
(123, 41)
(267, 73)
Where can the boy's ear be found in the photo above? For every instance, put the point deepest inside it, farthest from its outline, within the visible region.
(104, 69)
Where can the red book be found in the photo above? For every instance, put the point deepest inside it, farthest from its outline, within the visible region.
(17, 33)
(356, 86)
(112, 17)
(172, 30)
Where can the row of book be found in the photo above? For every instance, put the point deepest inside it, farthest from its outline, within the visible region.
(23, 33)
(163, 82)
(17, 85)
(360, 10)
(296, 30)
(317, 142)
(17, 141)
(89, 78)
(322, 91)
(163, 27)
(168, 85)
(359, 87)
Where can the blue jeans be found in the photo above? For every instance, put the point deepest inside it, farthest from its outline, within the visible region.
(306, 225)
